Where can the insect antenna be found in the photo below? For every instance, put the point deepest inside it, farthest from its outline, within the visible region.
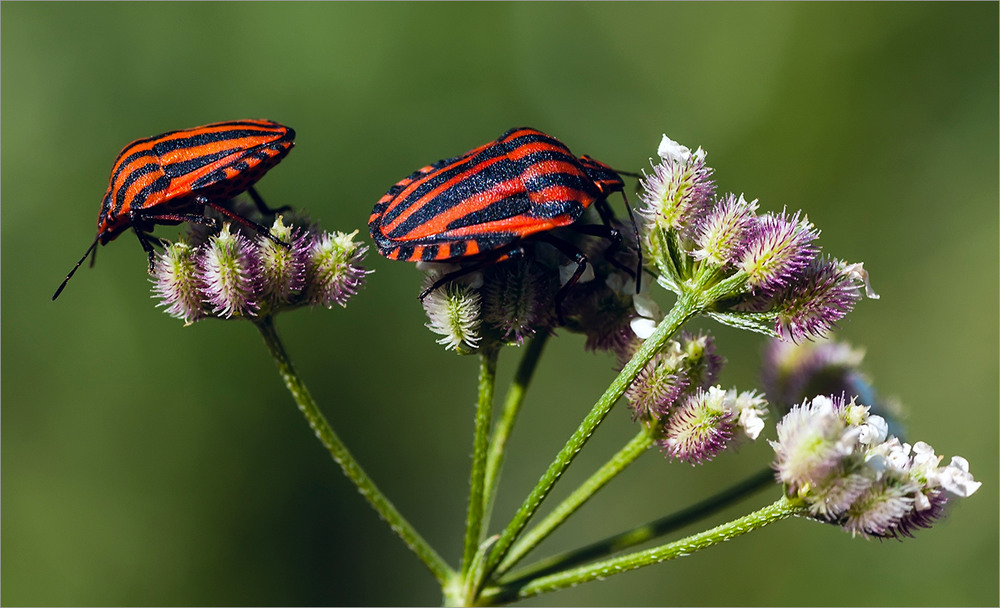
(638, 243)
(90, 249)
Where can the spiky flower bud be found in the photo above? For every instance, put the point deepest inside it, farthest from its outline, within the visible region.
(679, 190)
(709, 420)
(454, 313)
(283, 269)
(333, 271)
(659, 384)
(229, 269)
(518, 300)
(232, 275)
(176, 282)
(723, 234)
(778, 249)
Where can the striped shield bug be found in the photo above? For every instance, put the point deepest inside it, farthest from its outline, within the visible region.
(483, 206)
(172, 177)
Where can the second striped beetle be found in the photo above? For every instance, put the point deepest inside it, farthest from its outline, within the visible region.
(172, 177)
(481, 207)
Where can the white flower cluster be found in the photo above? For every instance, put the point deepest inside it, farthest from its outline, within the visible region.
(841, 461)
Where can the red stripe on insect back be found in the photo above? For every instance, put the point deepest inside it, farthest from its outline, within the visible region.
(522, 225)
(536, 147)
(440, 222)
(418, 204)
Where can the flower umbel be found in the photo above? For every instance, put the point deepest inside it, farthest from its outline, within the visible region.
(837, 457)
(231, 275)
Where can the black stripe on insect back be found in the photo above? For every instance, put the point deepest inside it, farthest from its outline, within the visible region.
(201, 139)
(510, 206)
(187, 166)
(462, 191)
(130, 179)
(123, 165)
(427, 182)
(139, 202)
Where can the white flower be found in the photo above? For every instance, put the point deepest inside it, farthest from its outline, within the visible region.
(751, 408)
(856, 272)
(874, 431)
(955, 478)
(670, 150)
(649, 316)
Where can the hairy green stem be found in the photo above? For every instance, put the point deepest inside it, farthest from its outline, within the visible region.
(626, 456)
(686, 307)
(505, 425)
(477, 478)
(781, 509)
(646, 532)
(324, 432)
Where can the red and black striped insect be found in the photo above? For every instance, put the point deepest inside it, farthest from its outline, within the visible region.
(483, 205)
(172, 177)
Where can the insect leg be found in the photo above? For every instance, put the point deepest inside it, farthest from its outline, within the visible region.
(494, 257)
(262, 230)
(572, 252)
(262, 206)
(606, 217)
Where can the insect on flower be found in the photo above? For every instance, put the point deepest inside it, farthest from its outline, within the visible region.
(483, 206)
(172, 177)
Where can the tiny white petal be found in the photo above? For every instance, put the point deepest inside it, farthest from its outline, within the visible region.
(751, 422)
(857, 272)
(643, 327)
(646, 306)
(874, 431)
(956, 478)
(673, 151)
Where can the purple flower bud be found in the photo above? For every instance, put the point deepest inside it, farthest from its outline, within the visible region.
(229, 269)
(838, 459)
(722, 236)
(658, 385)
(708, 421)
(811, 306)
(176, 283)
(701, 363)
(679, 191)
(283, 269)
(334, 273)
(778, 249)
(518, 299)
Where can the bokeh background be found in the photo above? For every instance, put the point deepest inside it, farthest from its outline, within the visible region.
(148, 463)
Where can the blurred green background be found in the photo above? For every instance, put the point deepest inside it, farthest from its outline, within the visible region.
(148, 463)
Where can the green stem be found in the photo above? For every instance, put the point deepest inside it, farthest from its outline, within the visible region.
(484, 417)
(511, 409)
(343, 457)
(686, 307)
(641, 534)
(781, 509)
(626, 456)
